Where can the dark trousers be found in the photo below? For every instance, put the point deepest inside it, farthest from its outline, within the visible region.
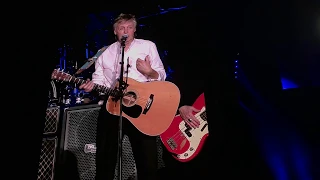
(144, 148)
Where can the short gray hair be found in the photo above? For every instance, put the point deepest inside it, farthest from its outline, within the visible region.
(124, 17)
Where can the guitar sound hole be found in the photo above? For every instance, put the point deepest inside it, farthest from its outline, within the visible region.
(129, 99)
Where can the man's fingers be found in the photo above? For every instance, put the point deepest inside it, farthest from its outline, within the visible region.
(195, 123)
(196, 120)
(91, 86)
(148, 59)
(190, 123)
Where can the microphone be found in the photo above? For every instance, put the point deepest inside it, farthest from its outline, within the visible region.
(124, 37)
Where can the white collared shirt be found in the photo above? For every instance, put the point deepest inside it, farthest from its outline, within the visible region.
(107, 66)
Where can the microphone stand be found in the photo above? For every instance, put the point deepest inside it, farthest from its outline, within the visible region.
(122, 86)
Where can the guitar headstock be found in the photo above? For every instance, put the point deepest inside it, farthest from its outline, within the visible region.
(60, 75)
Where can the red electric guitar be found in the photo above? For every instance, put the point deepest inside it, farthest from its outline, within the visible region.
(183, 141)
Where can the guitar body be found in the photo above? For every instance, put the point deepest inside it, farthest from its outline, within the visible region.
(149, 106)
(184, 142)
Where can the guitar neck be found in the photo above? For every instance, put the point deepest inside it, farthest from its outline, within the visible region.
(97, 87)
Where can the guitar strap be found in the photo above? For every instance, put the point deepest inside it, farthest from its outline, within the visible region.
(90, 61)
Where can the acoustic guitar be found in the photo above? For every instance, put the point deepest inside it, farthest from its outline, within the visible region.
(149, 106)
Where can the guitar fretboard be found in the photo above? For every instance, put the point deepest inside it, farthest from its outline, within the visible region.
(97, 87)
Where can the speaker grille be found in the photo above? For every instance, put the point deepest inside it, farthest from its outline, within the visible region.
(51, 120)
(80, 139)
(80, 134)
(161, 163)
(47, 159)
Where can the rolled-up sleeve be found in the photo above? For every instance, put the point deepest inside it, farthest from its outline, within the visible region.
(156, 63)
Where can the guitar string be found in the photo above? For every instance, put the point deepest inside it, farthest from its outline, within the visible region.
(181, 137)
(178, 135)
(112, 91)
(108, 90)
(70, 78)
(103, 88)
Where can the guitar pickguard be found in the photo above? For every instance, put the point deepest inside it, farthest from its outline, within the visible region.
(133, 111)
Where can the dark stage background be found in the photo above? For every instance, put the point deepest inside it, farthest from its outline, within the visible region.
(257, 63)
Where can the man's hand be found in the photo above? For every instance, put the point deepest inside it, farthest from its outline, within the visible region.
(88, 86)
(144, 66)
(186, 113)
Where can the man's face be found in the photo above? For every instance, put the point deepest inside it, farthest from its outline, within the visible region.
(125, 27)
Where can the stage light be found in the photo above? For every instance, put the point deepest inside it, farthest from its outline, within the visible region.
(236, 67)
